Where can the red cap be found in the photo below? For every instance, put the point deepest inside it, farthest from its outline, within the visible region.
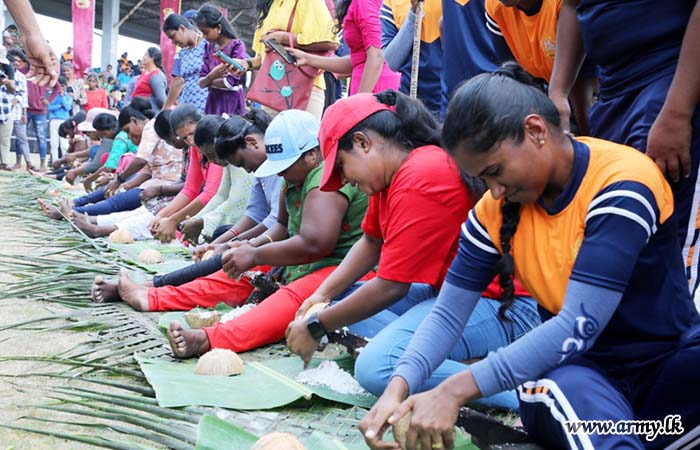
(339, 118)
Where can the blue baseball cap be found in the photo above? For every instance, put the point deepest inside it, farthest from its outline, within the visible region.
(289, 135)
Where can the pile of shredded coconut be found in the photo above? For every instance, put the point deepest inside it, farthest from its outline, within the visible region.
(330, 375)
(235, 312)
(205, 314)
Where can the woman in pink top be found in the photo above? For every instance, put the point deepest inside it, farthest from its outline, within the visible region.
(362, 32)
(201, 183)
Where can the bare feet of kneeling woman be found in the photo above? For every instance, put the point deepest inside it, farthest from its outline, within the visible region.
(187, 343)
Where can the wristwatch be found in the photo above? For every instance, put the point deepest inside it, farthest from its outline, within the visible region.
(315, 327)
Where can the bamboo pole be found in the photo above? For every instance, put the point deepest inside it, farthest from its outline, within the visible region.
(415, 60)
(130, 13)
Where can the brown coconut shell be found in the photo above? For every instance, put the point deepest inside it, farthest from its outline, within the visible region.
(400, 430)
(220, 362)
(278, 441)
(208, 254)
(202, 319)
(121, 236)
(318, 307)
(150, 256)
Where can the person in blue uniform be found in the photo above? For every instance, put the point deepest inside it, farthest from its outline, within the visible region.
(587, 226)
(466, 44)
(646, 90)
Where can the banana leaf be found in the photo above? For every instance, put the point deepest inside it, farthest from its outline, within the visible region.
(216, 434)
(261, 386)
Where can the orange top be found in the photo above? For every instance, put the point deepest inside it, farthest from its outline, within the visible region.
(531, 39)
(545, 246)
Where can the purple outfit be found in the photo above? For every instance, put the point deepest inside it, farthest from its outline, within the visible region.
(231, 100)
(362, 29)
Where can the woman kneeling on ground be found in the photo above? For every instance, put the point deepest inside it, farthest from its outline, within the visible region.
(418, 200)
(314, 232)
(586, 225)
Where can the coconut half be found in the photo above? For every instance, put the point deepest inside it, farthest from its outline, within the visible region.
(318, 307)
(219, 362)
(278, 441)
(400, 430)
(202, 319)
(208, 254)
(150, 256)
(121, 236)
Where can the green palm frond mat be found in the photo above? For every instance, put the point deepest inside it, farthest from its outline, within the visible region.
(101, 389)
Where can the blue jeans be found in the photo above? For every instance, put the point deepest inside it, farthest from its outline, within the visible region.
(122, 201)
(21, 142)
(38, 121)
(484, 333)
(369, 327)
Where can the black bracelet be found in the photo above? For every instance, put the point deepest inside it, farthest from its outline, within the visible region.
(119, 178)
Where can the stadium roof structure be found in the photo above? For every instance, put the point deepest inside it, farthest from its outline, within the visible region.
(143, 16)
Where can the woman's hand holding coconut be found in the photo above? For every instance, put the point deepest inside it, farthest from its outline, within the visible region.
(238, 259)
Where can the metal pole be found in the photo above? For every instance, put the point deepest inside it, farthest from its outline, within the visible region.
(130, 13)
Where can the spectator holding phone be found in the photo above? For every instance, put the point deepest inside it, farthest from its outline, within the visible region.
(362, 32)
(226, 91)
(76, 87)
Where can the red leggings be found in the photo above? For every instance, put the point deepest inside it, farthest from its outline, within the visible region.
(267, 322)
(205, 292)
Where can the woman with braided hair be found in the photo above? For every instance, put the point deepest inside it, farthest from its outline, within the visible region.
(388, 146)
(587, 226)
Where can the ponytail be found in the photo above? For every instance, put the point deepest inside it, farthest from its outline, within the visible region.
(232, 133)
(410, 126)
(139, 109)
(211, 17)
(341, 11)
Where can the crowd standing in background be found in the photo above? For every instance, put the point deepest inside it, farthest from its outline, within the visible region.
(491, 252)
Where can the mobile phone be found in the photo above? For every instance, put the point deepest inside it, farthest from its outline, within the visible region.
(224, 58)
(280, 50)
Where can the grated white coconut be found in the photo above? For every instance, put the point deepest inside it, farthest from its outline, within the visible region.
(330, 375)
(206, 314)
(235, 312)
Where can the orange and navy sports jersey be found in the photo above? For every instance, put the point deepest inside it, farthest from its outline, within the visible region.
(611, 228)
(392, 15)
(531, 37)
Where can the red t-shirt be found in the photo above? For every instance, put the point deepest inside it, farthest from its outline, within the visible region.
(419, 218)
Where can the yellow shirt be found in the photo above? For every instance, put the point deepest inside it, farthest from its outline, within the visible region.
(312, 23)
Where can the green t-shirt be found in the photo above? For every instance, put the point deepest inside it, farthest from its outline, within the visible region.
(350, 230)
(121, 145)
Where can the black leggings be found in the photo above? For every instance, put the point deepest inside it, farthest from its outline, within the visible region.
(189, 273)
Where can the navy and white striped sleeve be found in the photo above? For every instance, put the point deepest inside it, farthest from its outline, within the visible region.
(500, 46)
(474, 265)
(618, 225)
(389, 28)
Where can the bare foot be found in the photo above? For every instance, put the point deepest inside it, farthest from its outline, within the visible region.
(82, 222)
(104, 292)
(133, 294)
(66, 206)
(49, 210)
(187, 343)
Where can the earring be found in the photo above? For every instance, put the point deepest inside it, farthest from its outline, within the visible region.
(541, 141)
